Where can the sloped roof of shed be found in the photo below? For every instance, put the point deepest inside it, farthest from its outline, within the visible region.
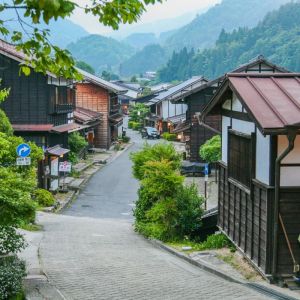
(272, 100)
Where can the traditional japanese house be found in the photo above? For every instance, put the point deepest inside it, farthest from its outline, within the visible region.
(134, 90)
(196, 98)
(89, 121)
(170, 114)
(101, 96)
(259, 173)
(39, 106)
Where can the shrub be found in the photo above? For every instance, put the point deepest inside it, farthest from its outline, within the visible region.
(169, 136)
(159, 182)
(5, 125)
(216, 241)
(44, 197)
(157, 152)
(76, 144)
(211, 150)
(125, 139)
(12, 271)
(174, 218)
(138, 112)
(10, 240)
(134, 125)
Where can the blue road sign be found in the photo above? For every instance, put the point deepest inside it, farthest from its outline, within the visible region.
(206, 169)
(23, 150)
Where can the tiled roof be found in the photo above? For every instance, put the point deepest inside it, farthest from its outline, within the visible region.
(181, 127)
(66, 128)
(10, 51)
(32, 127)
(272, 100)
(57, 151)
(101, 82)
(85, 116)
(242, 68)
(181, 87)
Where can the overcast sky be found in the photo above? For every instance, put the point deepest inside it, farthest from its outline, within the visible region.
(165, 10)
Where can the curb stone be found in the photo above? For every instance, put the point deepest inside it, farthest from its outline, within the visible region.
(269, 291)
(202, 265)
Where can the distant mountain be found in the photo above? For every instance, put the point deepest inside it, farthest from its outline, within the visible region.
(62, 32)
(204, 30)
(277, 37)
(102, 53)
(156, 27)
(140, 40)
(150, 58)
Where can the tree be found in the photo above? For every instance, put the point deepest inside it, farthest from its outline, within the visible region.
(211, 150)
(85, 67)
(40, 53)
(133, 79)
(17, 206)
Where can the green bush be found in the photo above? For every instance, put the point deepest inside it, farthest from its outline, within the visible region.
(216, 241)
(138, 112)
(44, 197)
(211, 150)
(174, 218)
(134, 125)
(76, 144)
(12, 272)
(169, 136)
(5, 125)
(160, 181)
(157, 152)
(125, 139)
(10, 240)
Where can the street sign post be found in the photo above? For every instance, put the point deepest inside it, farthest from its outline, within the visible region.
(206, 171)
(65, 166)
(23, 150)
(23, 161)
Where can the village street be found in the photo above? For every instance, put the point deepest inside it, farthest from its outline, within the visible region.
(91, 251)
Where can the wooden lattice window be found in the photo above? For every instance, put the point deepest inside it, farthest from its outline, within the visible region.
(239, 157)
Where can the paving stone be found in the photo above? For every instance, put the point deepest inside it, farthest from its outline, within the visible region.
(92, 252)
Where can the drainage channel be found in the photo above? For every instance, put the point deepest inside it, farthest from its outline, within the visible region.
(268, 292)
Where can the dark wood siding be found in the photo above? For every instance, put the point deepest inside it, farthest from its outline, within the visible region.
(245, 218)
(199, 134)
(290, 212)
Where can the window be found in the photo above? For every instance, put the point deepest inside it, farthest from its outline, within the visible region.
(240, 157)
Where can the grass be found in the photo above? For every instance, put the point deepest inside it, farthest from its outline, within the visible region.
(215, 241)
(240, 265)
(31, 227)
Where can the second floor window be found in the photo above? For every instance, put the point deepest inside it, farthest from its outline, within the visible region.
(240, 157)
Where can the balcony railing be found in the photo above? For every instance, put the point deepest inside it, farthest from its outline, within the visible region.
(115, 108)
(62, 108)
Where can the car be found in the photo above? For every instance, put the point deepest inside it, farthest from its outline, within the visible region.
(150, 133)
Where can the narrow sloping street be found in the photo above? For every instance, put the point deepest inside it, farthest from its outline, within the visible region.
(91, 251)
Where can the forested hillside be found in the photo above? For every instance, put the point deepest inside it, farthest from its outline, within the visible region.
(100, 52)
(140, 40)
(150, 58)
(204, 30)
(277, 37)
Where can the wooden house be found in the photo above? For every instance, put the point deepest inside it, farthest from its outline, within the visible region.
(101, 96)
(169, 114)
(259, 174)
(196, 98)
(39, 106)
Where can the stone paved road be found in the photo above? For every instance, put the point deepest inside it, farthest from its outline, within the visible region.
(91, 251)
